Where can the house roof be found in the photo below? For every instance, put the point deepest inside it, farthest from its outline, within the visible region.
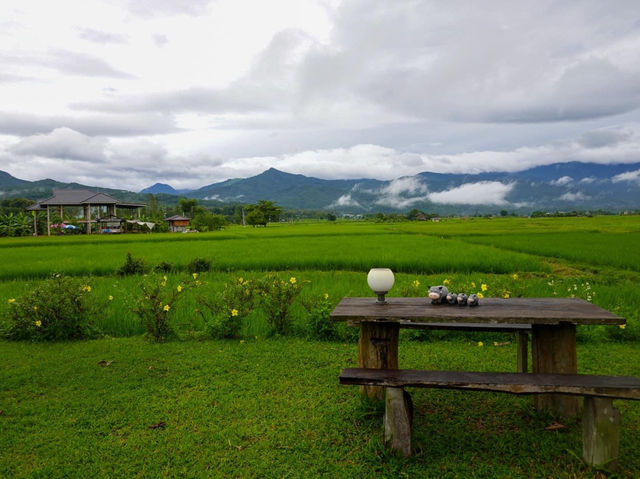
(79, 198)
(177, 218)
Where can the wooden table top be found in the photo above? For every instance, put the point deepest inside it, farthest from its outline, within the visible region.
(490, 310)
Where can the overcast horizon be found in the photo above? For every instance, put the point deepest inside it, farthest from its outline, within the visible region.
(127, 93)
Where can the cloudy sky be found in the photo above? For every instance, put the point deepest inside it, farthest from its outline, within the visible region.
(125, 93)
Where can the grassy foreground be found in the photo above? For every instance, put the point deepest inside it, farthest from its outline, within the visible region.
(273, 408)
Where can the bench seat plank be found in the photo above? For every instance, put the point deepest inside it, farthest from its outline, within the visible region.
(621, 387)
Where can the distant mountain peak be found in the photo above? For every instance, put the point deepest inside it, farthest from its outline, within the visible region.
(163, 188)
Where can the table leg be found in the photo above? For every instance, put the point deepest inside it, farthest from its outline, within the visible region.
(553, 349)
(377, 348)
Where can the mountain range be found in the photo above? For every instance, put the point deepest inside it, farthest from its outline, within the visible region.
(561, 186)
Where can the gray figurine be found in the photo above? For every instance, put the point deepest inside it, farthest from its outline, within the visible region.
(438, 294)
(462, 299)
(452, 298)
(473, 300)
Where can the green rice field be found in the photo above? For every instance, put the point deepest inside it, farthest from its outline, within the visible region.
(263, 406)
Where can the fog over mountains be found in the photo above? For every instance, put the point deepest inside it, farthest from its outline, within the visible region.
(561, 186)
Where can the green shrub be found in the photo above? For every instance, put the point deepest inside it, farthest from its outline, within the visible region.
(56, 309)
(276, 298)
(163, 267)
(319, 324)
(132, 266)
(224, 312)
(199, 265)
(157, 305)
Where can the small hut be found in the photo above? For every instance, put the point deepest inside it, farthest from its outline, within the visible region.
(178, 223)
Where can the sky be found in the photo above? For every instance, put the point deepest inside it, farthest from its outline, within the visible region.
(127, 93)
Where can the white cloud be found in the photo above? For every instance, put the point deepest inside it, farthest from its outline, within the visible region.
(398, 193)
(588, 180)
(345, 200)
(483, 192)
(62, 143)
(578, 196)
(562, 181)
(627, 176)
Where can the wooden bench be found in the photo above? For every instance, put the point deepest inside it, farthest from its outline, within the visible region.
(522, 334)
(600, 420)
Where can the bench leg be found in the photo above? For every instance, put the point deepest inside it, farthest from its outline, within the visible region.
(600, 432)
(523, 352)
(398, 420)
(378, 349)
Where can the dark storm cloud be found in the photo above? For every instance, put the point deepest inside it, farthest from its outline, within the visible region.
(24, 124)
(97, 36)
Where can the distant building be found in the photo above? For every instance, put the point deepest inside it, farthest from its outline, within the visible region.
(95, 206)
(178, 223)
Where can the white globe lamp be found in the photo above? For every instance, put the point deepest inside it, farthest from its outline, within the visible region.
(380, 281)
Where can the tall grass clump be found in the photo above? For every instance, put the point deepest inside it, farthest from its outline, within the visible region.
(132, 266)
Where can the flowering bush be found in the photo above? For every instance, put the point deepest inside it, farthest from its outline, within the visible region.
(56, 309)
(276, 298)
(225, 311)
(157, 305)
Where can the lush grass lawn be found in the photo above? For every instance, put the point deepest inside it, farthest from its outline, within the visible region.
(273, 408)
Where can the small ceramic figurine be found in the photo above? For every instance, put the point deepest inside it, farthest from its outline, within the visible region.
(452, 298)
(438, 294)
(473, 300)
(462, 299)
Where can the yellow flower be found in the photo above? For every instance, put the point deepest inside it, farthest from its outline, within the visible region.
(35, 308)
(110, 298)
(495, 343)
(195, 275)
(416, 283)
(247, 292)
(483, 287)
(480, 295)
(164, 277)
(12, 300)
(179, 288)
(240, 280)
(163, 284)
(292, 280)
(514, 276)
(86, 288)
(446, 282)
(480, 344)
(325, 295)
(198, 283)
(506, 295)
(234, 312)
(473, 284)
(166, 307)
(622, 326)
(38, 323)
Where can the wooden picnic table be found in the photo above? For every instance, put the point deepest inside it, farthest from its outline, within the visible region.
(553, 336)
